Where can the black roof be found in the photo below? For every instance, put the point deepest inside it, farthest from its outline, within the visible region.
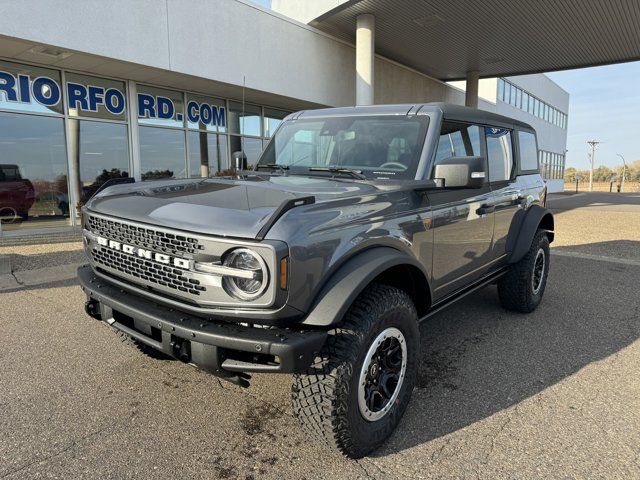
(449, 111)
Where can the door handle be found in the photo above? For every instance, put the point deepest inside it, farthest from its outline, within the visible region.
(485, 209)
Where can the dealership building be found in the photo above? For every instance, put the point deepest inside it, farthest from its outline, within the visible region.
(92, 90)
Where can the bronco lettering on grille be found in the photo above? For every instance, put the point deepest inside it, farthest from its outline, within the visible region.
(143, 253)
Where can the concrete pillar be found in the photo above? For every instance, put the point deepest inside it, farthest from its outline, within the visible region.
(134, 135)
(365, 58)
(471, 97)
(75, 195)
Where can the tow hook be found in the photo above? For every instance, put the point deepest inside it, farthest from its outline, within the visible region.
(92, 307)
(182, 350)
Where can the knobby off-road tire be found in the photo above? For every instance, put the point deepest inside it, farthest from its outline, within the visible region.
(326, 398)
(522, 288)
(141, 347)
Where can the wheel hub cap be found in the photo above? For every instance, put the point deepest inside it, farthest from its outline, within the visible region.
(538, 271)
(382, 374)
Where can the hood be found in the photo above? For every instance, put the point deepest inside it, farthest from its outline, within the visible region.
(223, 207)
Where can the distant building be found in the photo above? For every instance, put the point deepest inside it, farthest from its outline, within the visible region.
(539, 101)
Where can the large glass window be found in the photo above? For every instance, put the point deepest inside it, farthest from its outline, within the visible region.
(25, 88)
(95, 97)
(272, 119)
(206, 113)
(528, 151)
(157, 106)
(499, 154)
(500, 89)
(162, 153)
(33, 171)
(207, 154)
(101, 152)
(244, 120)
(252, 148)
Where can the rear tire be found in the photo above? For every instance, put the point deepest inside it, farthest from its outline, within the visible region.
(359, 386)
(522, 288)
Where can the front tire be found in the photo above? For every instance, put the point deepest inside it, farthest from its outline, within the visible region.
(522, 288)
(358, 388)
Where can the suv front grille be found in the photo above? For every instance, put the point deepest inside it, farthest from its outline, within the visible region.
(146, 270)
(149, 238)
(162, 259)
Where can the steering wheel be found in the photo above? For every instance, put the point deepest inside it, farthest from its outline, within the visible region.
(394, 166)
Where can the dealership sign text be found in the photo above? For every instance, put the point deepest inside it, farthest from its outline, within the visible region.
(89, 98)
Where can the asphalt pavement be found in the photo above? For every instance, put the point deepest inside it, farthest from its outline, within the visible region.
(553, 394)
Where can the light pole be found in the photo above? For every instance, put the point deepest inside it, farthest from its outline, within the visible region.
(594, 144)
(624, 171)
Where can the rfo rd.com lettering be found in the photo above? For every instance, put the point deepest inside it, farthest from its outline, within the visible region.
(88, 98)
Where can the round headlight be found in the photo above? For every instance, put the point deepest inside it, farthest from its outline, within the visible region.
(252, 278)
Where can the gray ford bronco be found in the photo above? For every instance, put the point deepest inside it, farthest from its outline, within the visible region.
(355, 225)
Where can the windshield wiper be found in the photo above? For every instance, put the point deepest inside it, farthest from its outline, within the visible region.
(354, 173)
(272, 166)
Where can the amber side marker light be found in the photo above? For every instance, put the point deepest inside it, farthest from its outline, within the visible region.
(284, 273)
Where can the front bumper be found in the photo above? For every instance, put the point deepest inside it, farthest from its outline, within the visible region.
(217, 347)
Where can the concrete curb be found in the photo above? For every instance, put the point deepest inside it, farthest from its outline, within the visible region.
(39, 276)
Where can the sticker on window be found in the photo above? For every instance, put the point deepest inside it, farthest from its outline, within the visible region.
(495, 132)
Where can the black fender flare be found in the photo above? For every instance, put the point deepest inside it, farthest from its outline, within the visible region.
(344, 286)
(523, 229)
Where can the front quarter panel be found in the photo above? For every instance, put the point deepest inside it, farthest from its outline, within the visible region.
(324, 236)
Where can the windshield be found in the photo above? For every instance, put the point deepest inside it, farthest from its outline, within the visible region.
(378, 147)
(9, 173)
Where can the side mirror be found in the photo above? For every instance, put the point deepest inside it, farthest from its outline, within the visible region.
(461, 172)
(239, 160)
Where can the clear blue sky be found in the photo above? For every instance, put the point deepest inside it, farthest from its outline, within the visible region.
(604, 105)
(264, 3)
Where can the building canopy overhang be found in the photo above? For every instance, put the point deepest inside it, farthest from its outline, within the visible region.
(447, 39)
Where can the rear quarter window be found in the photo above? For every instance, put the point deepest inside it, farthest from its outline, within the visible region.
(528, 151)
(499, 154)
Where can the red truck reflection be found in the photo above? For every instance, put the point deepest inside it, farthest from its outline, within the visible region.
(17, 195)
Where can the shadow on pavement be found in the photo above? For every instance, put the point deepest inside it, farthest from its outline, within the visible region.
(478, 359)
(621, 249)
(566, 201)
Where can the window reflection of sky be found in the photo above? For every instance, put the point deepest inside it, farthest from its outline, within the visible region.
(103, 146)
(162, 150)
(33, 72)
(35, 144)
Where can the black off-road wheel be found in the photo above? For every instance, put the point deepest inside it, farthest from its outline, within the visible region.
(522, 288)
(141, 347)
(353, 396)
